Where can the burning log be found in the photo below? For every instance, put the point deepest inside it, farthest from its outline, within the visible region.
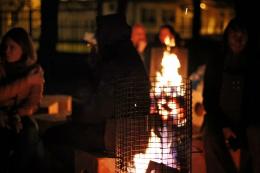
(155, 167)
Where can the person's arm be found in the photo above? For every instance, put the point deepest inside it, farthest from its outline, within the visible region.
(211, 89)
(10, 90)
(31, 103)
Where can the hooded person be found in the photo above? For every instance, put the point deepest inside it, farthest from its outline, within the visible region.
(118, 68)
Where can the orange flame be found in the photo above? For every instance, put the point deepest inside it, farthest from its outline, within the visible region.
(159, 148)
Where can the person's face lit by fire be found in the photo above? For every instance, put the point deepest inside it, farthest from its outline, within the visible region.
(164, 33)
(13, 51)
(237, 40)
(138, 37)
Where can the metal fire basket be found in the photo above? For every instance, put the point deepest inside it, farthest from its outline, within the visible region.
(153, 133)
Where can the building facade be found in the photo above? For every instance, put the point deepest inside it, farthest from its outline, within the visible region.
(77, 17)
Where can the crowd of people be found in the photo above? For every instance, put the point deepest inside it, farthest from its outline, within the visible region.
(125, 53)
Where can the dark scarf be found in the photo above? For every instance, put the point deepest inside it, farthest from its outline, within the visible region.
(17, 70)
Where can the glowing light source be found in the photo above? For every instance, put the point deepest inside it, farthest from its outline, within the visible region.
(186, 10)
(167, 88)
(203, 6)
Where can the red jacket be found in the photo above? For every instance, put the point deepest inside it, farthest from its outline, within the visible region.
(20, 93)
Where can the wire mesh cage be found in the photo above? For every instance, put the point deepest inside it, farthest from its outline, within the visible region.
(153, 132)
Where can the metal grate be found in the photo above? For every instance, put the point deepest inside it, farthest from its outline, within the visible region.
(153, 127)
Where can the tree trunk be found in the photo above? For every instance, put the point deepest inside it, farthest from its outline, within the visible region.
(122, 6)
(99, 7)
(196, 26)
(49, 33)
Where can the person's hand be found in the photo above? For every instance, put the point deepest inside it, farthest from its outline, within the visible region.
(16, 123)
(35, 77)
(228, 134)
(141, 46)
(3, 120)
(199, 109)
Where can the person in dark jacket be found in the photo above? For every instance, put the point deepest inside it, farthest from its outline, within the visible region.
(140, 42)
(225, 99)
(21, 89)
(118, 69)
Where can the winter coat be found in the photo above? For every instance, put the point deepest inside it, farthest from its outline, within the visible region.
(115, 75)
(17, 94)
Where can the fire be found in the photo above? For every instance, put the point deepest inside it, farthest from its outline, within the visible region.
(158, 150)
(164, 104)
(167, 84)
(142, 160)
(169, 42)
(169, 75)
